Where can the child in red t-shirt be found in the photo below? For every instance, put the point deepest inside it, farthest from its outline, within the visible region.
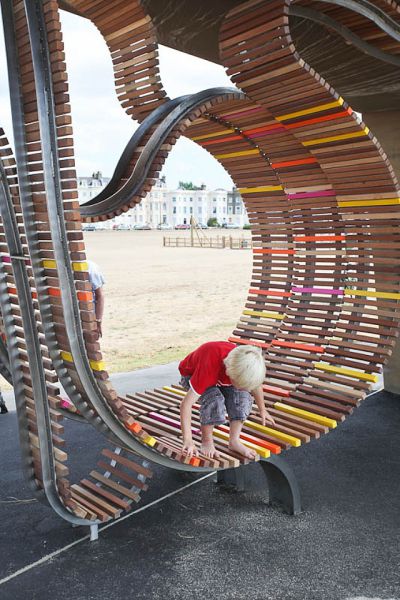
(222, 378)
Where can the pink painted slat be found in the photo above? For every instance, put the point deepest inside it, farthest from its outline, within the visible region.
(169, 421)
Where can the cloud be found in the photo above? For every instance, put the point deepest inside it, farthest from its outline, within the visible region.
(185, 74)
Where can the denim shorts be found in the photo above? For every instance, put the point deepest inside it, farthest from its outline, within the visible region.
(217, 400)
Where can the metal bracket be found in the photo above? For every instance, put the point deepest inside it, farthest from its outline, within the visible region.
(282, 486)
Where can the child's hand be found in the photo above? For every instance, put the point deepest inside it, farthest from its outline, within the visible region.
(189, 448)
(266, 418)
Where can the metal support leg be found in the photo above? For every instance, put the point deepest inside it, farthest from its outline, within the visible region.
(282, 489)
(282, 483)
(94, 532)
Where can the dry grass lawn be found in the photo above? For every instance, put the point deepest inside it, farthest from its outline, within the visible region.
(163, 302)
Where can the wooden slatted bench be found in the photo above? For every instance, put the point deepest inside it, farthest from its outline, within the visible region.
(322, 198)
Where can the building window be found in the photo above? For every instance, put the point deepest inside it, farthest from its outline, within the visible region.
(214, 211)
(191, 210)
(174, 210)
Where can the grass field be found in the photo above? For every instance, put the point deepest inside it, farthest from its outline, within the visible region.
(162, 302)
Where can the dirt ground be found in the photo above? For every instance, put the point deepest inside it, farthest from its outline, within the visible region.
(162, 302)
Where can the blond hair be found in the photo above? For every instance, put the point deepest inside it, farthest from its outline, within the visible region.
(245, 367)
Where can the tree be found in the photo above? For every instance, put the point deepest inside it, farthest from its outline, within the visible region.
(187, 185)
(212, 222)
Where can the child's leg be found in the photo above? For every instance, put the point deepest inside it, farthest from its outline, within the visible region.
(234, 440)
(207, 442)
(212, 412)
(238, 405)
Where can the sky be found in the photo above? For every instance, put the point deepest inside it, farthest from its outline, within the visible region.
(101, 127)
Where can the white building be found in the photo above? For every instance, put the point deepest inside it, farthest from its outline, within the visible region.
(171, 207)
(88, 187)
(236, 209)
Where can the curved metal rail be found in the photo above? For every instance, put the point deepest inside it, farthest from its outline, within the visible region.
(115, 182)
(370, 11)
(35, 360)
(174, 111)
(345, 33)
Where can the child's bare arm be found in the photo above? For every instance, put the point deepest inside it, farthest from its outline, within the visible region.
(259, 399)
(188, 445)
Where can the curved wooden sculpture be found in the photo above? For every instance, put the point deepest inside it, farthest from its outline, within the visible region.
(322, 198)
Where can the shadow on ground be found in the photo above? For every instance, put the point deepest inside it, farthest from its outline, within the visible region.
(206, 543)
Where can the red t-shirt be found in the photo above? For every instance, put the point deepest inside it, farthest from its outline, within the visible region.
(205, 366)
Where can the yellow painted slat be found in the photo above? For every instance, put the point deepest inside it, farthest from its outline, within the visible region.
(262, 188)
(261, 451)
(49, 264)
(76, 266)
(80, 266)
(149, 440)
(387, 295)
(266, 315)
(290, 439)
(310, 111)
(241, 153)
(335, 138)
(212, 135)
(97, 365)
(67, 356)
(377, 202)
(310, 416)
(180, 393)
(349, 372)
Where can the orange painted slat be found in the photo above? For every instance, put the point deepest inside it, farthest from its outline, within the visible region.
(135, 427)
(236, 340)
(272, 251)
(319, 238)
(85, 296)
(254, 440)
(272, 389)
(339, 115)
(270, 293)
(298, 346)
(55, 292)
(293, 163)
(82, 296)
